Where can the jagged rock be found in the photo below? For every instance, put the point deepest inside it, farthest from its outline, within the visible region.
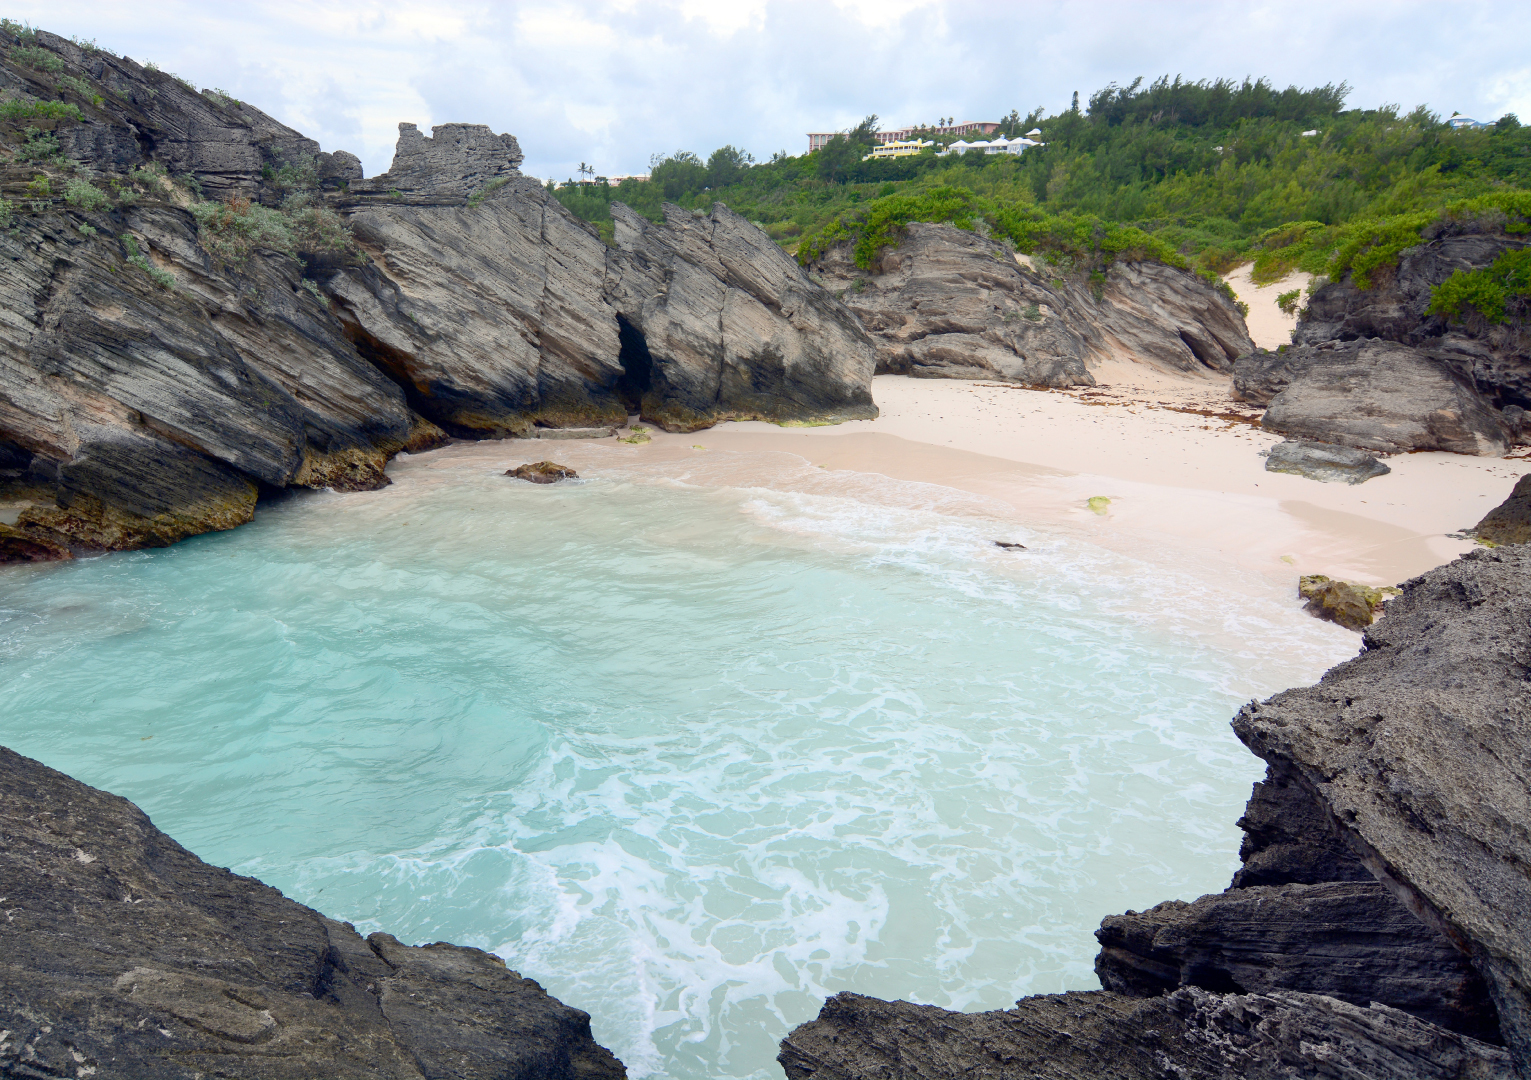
(455, 162)
(1351, 940)
(1510, 521)
(1372, 394)
(1289, 838)
(543, 472)
(1417, 749)
(1352, 606)
(153, 377)
(720, 324)
(1330, 464)
(1371, 368)
(947, 303)
(123, 955)
(1188, 1035)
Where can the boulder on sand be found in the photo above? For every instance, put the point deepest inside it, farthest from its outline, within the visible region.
(1318, 461)
(1353, 606)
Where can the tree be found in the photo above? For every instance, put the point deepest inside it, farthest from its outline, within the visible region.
(727, 165)
(838, 159)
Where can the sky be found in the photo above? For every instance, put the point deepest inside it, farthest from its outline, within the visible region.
(613, 82)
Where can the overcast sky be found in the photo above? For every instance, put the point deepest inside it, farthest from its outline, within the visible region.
(612, 83)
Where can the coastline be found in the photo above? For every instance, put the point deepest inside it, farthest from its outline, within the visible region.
(1174, 475)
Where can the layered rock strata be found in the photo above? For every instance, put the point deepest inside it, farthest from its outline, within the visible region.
(1372, 368)
(948, 303)
(123, 955)
(196, 305)
(1379, 926)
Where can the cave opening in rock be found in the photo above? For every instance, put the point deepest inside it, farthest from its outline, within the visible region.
(637, 366)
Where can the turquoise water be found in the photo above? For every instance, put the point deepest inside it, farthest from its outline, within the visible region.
(693, 744)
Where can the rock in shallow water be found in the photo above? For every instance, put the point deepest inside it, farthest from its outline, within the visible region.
(1352, 606)
(123, 955)
(1319, 461)
(543, 472)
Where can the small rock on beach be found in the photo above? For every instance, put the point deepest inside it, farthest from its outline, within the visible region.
(1321, 461)
(543, 472)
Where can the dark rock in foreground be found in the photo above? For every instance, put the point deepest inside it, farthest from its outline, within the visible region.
(1187, 1035)
(1330, 464)
(1380, 925)
(1420, 749)
(1510, 521)
(543, 472)
(948, 303)
(124, 955)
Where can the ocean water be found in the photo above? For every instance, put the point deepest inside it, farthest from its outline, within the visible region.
(694, 743)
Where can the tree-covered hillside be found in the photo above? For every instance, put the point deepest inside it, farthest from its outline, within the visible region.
(1208, 173)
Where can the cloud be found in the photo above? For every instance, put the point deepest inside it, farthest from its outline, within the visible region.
(611, 82)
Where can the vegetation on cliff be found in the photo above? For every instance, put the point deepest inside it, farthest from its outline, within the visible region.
(1210, 174)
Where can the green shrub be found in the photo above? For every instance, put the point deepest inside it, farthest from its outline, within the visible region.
(40, 146)
(39, 188)
(85, 195)
(1491, 291)
(21, 30)
(231, 230)
(87, 229)
(80, 87)
(32, 109)
(34, 56)
(1287, 301)
(488, 189)
(7, 213)
(163, 278)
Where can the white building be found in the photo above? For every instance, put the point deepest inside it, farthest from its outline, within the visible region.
(1000, 145)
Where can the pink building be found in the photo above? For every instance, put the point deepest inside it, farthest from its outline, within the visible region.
(818, 140)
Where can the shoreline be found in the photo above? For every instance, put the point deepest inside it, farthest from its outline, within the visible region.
(1178, 458)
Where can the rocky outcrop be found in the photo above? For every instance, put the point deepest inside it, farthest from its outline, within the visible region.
(1372, 394)
(1351, 605)
(542, 472)
(123, 955)
(196, 305)
(1379, 926)
(948, 303)
(1510, 521)
(1372, 368)
(1418, 750)
(1319, 461)
(1188, 1035)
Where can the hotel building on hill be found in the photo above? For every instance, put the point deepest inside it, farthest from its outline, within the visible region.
(817, 140)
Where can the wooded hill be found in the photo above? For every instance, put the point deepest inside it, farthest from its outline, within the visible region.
(1206, 174)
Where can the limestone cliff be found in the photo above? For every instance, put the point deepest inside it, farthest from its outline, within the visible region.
(948, 303)
(1372, 368)
(196, 304)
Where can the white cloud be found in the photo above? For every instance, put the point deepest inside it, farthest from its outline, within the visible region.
(613, 81)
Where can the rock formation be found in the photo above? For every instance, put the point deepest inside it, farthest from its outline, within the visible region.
(1380, 925)
(1320, 461)
(542, 472)
(199, 304)
(1510, 521)
(947, 303)
(1372, 368)
(123, 955)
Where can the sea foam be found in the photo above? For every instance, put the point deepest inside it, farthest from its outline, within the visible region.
(695, 744)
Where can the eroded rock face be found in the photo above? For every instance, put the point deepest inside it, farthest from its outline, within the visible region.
(1189, 1035)
(1510, 521)
(1372, 394)
(124, 955)
(155, 373)
(1418, 749)
(947, 303)
(1413, 381)
(720, 323)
